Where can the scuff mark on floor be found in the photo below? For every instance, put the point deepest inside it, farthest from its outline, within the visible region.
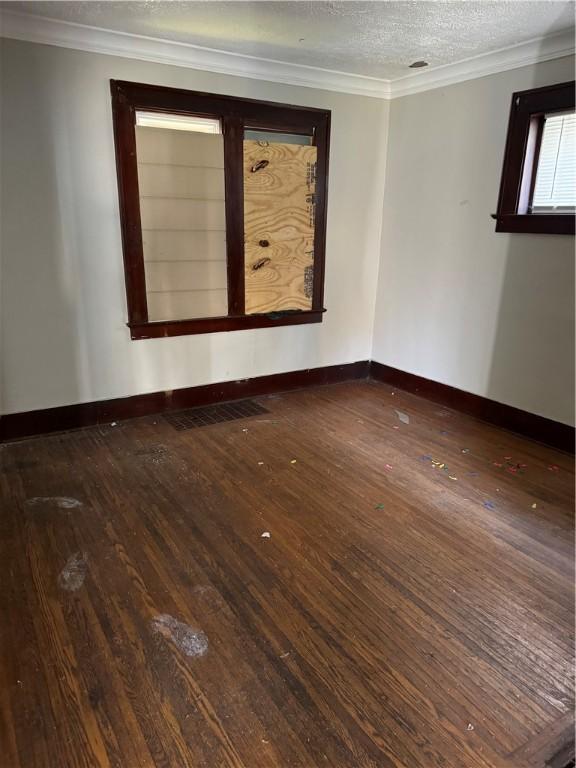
(63, 502)
(156, 454)
(73, 574)
(188, 640)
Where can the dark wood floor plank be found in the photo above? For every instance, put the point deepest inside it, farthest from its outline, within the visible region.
(401, 613)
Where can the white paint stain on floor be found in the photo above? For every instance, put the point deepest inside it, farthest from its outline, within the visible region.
(63, 502)
(404, 418)
(73, 574)
(189, 641)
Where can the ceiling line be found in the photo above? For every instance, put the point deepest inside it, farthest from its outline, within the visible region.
(66, 34)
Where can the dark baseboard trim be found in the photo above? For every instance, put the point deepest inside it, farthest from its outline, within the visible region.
(551, 748)
(18, 425)
(552, 433)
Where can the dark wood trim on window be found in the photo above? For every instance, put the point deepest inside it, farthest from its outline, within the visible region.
(521, 161)
(236, 115)
(129, 198)
(225, 323)
(536, 223)
(322, 142)
(233, 130)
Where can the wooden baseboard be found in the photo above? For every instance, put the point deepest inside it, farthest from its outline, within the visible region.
(18, 425)
(552, 748)
(552, 433)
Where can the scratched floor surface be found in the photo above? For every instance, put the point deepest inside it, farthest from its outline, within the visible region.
(412, 605)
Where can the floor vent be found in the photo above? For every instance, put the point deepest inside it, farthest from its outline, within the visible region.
(214, 414)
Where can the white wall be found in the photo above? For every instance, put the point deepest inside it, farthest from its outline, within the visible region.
(63, 304)
(488, 313)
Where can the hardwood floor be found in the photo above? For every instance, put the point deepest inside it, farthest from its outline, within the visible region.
(412, 605)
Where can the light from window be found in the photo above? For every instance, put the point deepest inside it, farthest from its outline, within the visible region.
(273, 137)
(178, 122)
(555, 188)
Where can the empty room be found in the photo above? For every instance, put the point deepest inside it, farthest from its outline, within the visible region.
(287, 350)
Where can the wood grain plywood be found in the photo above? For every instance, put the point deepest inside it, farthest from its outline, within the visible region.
(279, 209)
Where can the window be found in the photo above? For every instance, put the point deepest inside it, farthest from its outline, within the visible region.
(223, 210)
(538, 186)
(555, 188)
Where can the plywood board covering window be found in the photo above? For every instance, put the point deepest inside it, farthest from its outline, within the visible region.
(279, 200)
(181, 183)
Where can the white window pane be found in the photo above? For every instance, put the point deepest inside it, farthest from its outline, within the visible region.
(178, 122)
(556, 174)
(181, 185)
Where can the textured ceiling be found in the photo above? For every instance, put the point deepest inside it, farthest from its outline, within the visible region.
(378, 39)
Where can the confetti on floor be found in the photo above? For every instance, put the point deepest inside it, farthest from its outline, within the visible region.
(489, 505)
(265, 535)
(293, 461)
(441, 465)
(513, 467)
(388, 466)
(379, 506)
(534, 506)
(404, 418)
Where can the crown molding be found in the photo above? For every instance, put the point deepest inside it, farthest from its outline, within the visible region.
(501, 60)
(36, 29)
(65, 34)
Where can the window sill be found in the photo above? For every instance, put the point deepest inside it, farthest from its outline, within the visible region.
(219, 324)
(536, 223)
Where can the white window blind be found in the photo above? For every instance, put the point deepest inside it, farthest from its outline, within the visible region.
(556, 174)
(178, 122)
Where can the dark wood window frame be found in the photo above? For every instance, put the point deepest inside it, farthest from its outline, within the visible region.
(521, 161)
(236, 115)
